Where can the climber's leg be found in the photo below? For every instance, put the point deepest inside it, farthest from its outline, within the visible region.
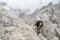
(38, 31)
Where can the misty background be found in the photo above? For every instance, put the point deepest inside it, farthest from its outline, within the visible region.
(28, 4)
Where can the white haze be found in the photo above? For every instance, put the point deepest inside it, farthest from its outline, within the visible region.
(28, 4)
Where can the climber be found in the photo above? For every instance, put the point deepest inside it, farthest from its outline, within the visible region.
(38, 25)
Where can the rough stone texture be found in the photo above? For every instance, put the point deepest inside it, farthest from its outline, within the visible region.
(14, 28)
(50, 17)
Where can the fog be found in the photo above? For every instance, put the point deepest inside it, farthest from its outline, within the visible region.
(28, 4)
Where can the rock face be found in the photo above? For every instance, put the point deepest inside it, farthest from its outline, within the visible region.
(14, 28)
(50, 18)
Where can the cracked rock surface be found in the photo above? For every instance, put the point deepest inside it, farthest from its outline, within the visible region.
(14, 28)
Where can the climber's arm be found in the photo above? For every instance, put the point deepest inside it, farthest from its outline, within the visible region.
(35, 24)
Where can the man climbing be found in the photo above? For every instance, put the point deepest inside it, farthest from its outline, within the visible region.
(38, 25)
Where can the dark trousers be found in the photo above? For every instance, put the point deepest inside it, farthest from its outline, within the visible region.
(38, 30)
